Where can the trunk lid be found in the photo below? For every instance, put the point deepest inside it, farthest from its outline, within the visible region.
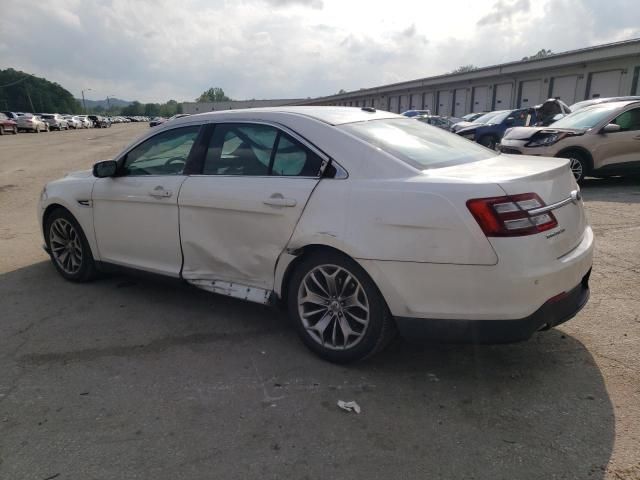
(550, 178)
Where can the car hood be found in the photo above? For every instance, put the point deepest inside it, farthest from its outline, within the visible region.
(464, 124)
(80, 174)
(526, 133)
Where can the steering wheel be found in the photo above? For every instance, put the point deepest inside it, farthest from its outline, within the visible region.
(175, 164)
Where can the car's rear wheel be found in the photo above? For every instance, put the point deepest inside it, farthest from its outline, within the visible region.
(578, 164)
(337, 309)
(68, 247)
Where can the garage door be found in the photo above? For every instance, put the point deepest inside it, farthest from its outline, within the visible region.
(480, 99)
(444, 102)
(604, 84)
(530, 93)
(429, 103)
(404, 103)
(502, 99)
(565, 88)
(393, 104)
(416, 101)
(460, 107)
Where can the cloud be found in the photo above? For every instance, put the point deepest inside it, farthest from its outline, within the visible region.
(317, 4)
(504, 10)
(162, 49)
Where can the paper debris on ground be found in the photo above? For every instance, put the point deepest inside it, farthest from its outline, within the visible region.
(349, 406)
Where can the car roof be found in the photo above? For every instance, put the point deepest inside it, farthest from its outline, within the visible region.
(329, 115)
(619, 104)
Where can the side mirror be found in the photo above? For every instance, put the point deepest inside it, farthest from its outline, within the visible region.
(108, 168)
(611, 128)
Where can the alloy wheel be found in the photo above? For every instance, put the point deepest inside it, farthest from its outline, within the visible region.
(333, 307)
(576, 168)
(66, 246)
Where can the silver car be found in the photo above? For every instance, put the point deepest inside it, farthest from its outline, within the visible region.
(55, 121)
(32, 123)
(73, 121)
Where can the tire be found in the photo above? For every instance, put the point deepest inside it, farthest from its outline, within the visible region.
(1, 130)
(356, 322)
(15, 130)
(37, 130)
(578, 164)
(488, 141)
(61, 229)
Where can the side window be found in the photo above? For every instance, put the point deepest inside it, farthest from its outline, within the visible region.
(163, 154)
(240, 149)
(629, 121)
(292, 159)
(519, 118)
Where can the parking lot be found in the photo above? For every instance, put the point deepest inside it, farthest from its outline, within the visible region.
(134, 378)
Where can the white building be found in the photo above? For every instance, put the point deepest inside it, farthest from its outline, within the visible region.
(600, 71)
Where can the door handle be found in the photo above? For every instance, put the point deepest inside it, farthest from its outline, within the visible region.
(160, 192)
(277, 200)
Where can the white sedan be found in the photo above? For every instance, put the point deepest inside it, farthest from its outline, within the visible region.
(363, 223)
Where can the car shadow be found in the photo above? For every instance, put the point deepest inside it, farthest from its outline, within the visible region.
(537, 409)
(612, 189)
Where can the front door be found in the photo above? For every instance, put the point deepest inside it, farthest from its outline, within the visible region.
(136, 213)
(237, 217)
(616, 149)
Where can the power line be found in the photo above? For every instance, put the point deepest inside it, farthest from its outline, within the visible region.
(16, 82)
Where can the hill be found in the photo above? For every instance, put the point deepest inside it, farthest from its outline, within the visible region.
(114, 102)
(24, 92)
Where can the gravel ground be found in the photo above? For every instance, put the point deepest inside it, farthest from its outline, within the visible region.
(129, 378)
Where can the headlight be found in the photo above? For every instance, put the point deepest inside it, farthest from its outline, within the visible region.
(545, 141)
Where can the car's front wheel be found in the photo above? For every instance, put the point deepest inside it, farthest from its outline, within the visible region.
(337, 309)
(68, 247)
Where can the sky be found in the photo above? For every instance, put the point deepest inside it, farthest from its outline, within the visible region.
(153, 51)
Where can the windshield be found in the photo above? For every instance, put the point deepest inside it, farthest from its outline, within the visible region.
(421, 146)
(487, 116)
(499, 117)
(587, 117)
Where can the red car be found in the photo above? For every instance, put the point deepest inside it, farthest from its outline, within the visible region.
(7, 125)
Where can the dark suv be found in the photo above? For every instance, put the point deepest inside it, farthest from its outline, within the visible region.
(99, 121)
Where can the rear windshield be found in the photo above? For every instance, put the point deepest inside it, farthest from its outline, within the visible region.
(418, 144)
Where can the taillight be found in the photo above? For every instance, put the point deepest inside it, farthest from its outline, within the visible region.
(509, 216)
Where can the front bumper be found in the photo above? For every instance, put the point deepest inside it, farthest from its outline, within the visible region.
(554, 312)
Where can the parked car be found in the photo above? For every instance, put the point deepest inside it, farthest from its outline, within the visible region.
(437, 121)
(32, 123)
(276, 205)
(55, 121)
(470, 117)
(12, 115)
(594, 101)
(489, 134)
(157, 121)
(481, 120)
(86, 122)
(99, 121)
(415, 113)
(601, 140)
(7, 125)
(73, 121)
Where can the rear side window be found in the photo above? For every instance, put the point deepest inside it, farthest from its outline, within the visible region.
(257, 150)
(421, 146)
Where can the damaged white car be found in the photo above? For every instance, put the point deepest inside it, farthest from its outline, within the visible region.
(363, 223)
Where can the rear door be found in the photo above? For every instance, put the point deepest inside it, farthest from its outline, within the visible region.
(238, 214)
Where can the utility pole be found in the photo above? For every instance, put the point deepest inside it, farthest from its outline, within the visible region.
(33, 110)
(84, 106)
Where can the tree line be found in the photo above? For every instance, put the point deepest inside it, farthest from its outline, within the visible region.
(24, 92)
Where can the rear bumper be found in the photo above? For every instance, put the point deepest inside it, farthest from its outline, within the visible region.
(552, 313)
